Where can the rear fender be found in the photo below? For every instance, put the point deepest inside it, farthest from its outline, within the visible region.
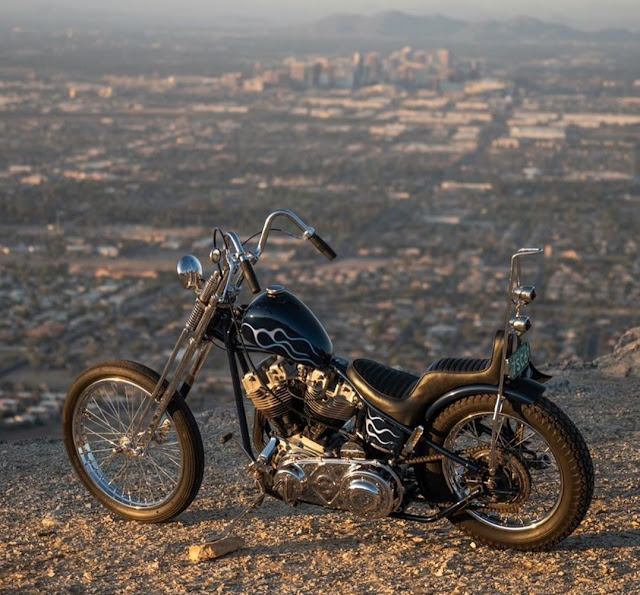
(523, 390)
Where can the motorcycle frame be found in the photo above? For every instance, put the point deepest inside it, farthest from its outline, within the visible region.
(218, 292)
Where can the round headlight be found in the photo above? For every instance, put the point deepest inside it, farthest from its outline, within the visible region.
(189, 271)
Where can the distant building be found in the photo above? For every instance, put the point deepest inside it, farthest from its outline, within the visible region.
(538, 132)
(298, 72)
(231, 80)
(254, 85)
(108, 251)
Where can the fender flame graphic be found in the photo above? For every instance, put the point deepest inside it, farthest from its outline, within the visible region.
(377, 433)
(278, 339)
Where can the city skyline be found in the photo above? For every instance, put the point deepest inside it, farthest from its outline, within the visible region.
(577, 13)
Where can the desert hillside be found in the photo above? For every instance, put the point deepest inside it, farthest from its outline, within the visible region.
(55, 539)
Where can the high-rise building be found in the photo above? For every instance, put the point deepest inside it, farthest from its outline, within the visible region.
(298, 71)
(444, 58)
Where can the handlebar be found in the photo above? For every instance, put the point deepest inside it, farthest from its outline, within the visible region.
(250, 276)
(322, 246)
(307, 232)
(238, 254)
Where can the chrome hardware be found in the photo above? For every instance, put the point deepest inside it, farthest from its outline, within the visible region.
(269, 394)
(525, 294)
(326, 396)
(316, 385)
(520, 324)
(193, 346)
(189, 272)
(514, 282)
(410, 444)
(252, 464)
(264, 458)
(352, 450)
(306, 230)
(367, 488)
(290, 483)
(196, 315)
(367, 494)
(274, 290)
(527, 251)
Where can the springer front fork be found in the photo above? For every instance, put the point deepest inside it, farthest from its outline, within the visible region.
(187, 369)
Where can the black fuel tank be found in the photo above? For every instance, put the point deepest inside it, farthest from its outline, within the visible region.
(278, 322)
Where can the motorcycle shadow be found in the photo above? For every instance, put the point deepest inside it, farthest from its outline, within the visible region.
(601, 540)
(270, 511)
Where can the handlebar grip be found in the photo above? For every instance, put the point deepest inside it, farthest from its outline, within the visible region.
(250, 276)
(322, 246)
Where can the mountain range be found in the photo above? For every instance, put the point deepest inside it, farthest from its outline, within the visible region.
(400, 25)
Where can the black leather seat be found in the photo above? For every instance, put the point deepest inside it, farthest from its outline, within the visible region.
(405, 397)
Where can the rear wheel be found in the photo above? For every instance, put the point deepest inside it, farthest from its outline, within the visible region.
(102, 413)
(544, 478)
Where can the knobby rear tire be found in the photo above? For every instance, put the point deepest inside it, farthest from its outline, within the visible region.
(567, 457)
(98, 419)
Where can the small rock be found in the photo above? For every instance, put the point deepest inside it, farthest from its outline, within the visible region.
(50, 522)
(215, 549)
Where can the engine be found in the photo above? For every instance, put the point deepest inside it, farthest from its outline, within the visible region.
(315, 462)
(288, 393)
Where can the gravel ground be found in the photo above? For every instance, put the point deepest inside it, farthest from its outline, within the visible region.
(55, 539)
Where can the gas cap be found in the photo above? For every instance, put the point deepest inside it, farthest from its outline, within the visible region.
(275, 290)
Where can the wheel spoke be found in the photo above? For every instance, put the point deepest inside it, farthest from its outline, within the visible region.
(102, 415)
(105, 417)
(535, 491)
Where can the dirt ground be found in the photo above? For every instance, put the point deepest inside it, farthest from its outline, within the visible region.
(54, 538)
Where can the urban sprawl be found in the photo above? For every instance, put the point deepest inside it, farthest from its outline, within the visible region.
(425, 169)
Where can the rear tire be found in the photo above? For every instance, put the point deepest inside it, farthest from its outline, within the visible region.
(102, 410)
(545, 476)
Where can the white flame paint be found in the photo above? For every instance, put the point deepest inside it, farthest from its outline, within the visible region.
(378, 432)
(288, 347)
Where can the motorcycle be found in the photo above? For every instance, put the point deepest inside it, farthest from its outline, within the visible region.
(470, 440)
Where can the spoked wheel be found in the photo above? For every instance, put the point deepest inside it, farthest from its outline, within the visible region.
(543, 482)
(103, 417)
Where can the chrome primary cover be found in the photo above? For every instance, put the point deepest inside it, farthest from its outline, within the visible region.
(369, 489)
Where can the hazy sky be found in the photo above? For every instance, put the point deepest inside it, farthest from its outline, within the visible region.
(580, 13)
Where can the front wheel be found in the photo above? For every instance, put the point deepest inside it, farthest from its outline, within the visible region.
(103, 417)
(543, 482)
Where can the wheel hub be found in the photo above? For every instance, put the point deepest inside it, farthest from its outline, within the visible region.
(127, 448)
(508, 489)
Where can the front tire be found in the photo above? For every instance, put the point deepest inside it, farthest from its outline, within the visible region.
(544, 480)
(102, 410)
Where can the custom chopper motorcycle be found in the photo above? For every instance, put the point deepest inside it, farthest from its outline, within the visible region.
(470, 440)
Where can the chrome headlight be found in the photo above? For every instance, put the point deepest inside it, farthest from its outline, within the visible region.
(189, 272)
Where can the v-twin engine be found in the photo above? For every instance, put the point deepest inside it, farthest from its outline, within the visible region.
(280, 385)
(367, 488)
(304, 405)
